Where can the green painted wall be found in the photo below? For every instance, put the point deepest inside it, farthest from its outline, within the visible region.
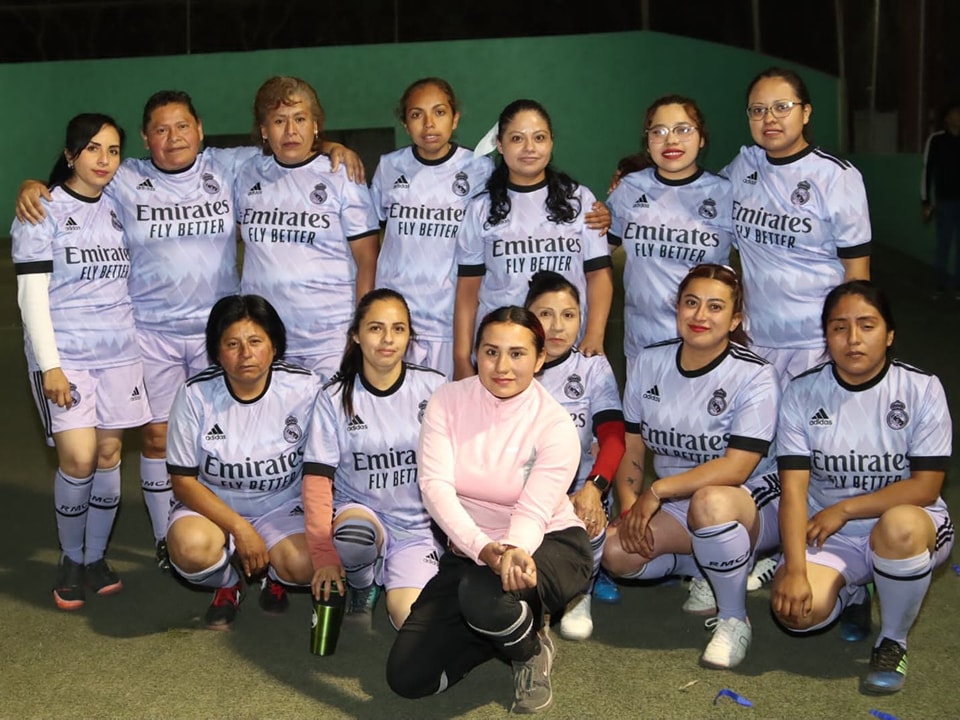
(893, 187)
(596, 87)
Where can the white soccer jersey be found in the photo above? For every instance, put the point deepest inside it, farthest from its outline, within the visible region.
(859, 439)
(507, 255)
(80, 243)
(794, 219)
(421, 205)
(372, 455)
(249, 453)
(666, 227)
(181, 230)
(688, 418)
(297, 223)
(587, 389)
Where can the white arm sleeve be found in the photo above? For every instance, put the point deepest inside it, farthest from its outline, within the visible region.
(33, 297)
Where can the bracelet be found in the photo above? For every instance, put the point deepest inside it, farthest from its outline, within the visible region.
(654, 493)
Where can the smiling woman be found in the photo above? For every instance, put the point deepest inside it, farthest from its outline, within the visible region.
(496, 457)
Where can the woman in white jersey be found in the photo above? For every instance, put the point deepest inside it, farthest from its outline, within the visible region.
(530, 218)
(706, 407)
(420, 193)
(863, 446)
(236, 457)
(176, 206)
(310, 235)
(801, 221)
(668, 218)
(81, 348)
(363, 443)
(587, 389)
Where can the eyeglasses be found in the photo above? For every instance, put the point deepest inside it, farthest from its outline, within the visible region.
(660, 133)
(779, 109)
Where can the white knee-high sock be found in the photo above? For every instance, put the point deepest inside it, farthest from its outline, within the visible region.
(104, 501)
(723, 552)
(661, 566)
(596, 545)
(220, 574)
(71, 498)
(157, 493)
(901, 587)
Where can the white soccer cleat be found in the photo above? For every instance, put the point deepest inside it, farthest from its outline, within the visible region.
(577, 623)
(729, 644)
(701, 600)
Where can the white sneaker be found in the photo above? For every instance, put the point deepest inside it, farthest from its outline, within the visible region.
(762, 572)
(701, 600)
(576, 623)
(729, 644)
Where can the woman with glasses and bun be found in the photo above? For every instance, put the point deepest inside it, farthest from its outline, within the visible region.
(801, 220)
(669, 217)
(706, 407)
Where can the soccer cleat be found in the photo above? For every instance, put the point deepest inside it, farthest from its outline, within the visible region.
(855, 620)
(605, 589)
(762, 572)
(68, 592)
(102, 579)
(576, 623)
(701, 600)
(729, 644)
(223, 610)
(888, 668)
(531, 679)
(360, 605)
(273, 597)
(163, 556)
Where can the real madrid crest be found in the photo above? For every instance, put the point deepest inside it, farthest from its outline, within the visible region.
(74, 395)
(708, 209)
(210, 184)
(423, 409)
(801, 195)
(897, 418)
(115, 221)
(291, 430)
(574, 387)
(319, 194)
(461, 185)
(718, 403)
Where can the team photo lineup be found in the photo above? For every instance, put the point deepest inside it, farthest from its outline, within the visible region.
(400, 389)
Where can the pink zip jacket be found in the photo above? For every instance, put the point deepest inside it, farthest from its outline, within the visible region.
(495, 470)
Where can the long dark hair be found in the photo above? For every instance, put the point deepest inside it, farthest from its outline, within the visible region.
(80, 131)
(562, 204)
(728, 277)
(351, 364)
